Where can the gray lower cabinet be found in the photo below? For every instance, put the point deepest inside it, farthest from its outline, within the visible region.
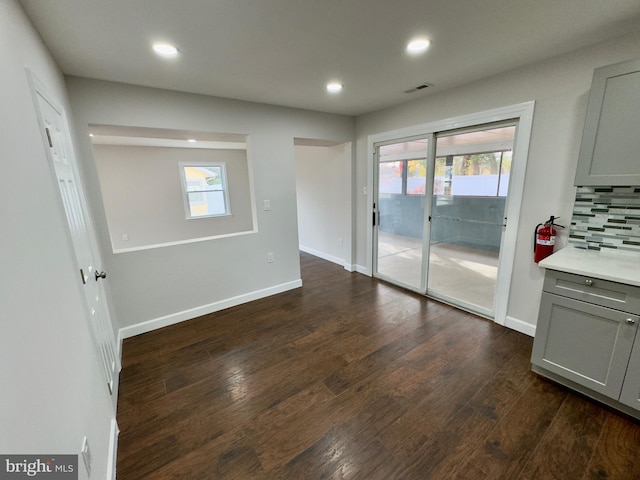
(630, 395)
(586, 344)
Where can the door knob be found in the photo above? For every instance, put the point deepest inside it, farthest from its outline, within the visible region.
(100, 275)
(631, 321)
(588, 282)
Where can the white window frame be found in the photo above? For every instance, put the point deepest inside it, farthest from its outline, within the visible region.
(185, 190)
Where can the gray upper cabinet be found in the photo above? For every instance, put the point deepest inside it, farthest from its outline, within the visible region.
(610, 149)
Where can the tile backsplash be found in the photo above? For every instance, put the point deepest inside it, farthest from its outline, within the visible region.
(606, 217)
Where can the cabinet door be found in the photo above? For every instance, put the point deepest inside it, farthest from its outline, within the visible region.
(631, 388)
(610, 148)
(584, 343)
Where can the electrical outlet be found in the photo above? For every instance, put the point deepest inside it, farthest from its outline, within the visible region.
(269, 257)
(86, 455)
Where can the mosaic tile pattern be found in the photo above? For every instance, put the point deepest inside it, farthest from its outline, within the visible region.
(606, 217)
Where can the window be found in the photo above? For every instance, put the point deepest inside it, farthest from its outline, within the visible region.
(391, 177)
(478, 174)
(416, 176)
(195, 191)
(205, 189)
(403, 177)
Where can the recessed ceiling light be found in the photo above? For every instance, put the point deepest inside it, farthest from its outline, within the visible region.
(165, 49)
(192, 140)
(91, 134)
(334, 87)
(418, 45)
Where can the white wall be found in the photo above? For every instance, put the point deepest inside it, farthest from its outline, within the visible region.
(52, 386)
(169, 284)
(323, 201)
(143, 196)
(560, 88)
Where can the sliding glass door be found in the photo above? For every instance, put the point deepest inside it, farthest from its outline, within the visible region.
(439, 213)
(399, 212)
(471, 181)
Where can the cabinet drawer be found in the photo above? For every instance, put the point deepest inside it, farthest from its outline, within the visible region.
(593, 290)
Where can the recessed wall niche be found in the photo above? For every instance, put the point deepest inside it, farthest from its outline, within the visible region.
(141, 185)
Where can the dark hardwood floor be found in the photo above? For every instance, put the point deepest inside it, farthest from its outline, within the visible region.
(351, 378)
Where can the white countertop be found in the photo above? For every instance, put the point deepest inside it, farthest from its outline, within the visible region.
(614, 265)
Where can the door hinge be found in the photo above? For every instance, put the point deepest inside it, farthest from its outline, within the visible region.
(49, 138)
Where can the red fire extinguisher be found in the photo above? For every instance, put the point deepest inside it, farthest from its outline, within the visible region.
(544, 239)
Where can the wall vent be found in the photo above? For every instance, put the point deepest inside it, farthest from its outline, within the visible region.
(417, 88)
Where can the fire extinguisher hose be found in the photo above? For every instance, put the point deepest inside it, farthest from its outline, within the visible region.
(535, 236)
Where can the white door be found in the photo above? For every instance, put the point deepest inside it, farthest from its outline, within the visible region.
(61, 156)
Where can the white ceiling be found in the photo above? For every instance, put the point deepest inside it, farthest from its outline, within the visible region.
(283, 52)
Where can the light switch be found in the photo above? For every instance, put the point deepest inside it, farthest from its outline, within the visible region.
(267, 205)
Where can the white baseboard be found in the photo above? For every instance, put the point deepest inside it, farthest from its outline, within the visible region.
(113, 450)
(156, 323)
(349, 267)
(324, 256)
(520, 326)
(362, 270)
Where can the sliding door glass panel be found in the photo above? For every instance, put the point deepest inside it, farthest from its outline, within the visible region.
(402, 174)
(471, 181)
